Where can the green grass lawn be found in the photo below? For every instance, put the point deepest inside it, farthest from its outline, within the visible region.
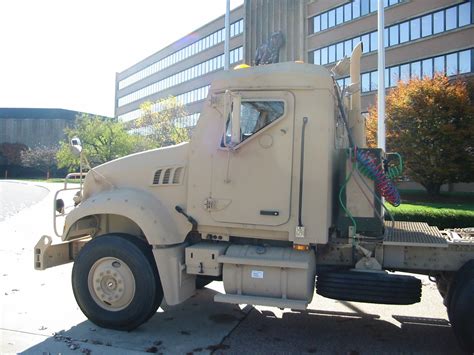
(449, 210)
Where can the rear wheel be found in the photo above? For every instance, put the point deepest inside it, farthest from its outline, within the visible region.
(116, 282)
(461, 306)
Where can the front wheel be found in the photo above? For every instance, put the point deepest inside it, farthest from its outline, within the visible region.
(116, 282)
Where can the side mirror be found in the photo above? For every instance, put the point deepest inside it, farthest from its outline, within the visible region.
(59, 206)
(232, 113)
(76, 146)
(235, 137)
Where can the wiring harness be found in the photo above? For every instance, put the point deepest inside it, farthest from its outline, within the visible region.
(384, 185)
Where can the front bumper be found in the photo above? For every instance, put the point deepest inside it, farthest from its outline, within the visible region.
(47, 255)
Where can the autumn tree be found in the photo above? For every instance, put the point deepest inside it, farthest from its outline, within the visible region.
(42, 158)
(160, 122)
(430, 122)
(103, 139)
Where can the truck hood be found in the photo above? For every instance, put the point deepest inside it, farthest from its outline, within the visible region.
(135, 171)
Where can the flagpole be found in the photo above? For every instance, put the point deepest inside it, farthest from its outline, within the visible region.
(227, 36)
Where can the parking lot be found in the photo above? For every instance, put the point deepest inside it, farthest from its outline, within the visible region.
(39, 313)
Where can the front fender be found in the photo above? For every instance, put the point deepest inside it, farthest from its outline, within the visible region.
(149, 213)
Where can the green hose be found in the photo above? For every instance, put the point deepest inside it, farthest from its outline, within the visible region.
(346, 210)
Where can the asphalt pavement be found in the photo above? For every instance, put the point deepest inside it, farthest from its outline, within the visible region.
(39, 314)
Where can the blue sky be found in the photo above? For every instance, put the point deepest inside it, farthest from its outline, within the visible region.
(65, 53)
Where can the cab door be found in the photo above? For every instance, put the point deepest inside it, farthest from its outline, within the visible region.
(251, 180)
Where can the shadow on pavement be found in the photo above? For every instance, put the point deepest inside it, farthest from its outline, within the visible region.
(197, 325)
(200, 326)
(315, 331)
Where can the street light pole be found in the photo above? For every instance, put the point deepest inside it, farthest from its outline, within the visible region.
(227, 36)
(381, 77)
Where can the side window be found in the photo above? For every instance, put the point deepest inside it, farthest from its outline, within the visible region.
(255, 115)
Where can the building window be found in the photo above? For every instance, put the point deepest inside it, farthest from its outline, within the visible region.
(438, 22)
(339, 16)
(332, 18)
(451, 18)
(404, 32)
(426, 26)
(465, 62)
(405, 72)
(393, 40)
(465, 14)
(427, 68)
(456, 63)
(347, 12)
(366, 82)
(317, 23)
(355, 9)
(439, 65)
(394, 76)
(324, 56)
(415, 70)
(415, 32)
(332, 54)
(451, 64)
(374, 80)
(410, 30)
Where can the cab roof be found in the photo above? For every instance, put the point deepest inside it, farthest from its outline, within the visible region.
(288, 75)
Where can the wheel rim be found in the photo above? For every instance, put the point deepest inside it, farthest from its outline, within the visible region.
(111, 284)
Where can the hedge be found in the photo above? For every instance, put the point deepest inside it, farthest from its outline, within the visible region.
(440, 215)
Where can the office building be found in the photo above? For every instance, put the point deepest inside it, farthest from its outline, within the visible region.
(421, 37)
(183, 69)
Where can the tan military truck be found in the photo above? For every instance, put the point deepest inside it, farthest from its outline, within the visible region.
(275, 195)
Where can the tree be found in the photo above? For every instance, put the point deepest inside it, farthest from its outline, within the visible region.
(162, 126)
(41, 158)
(11, 153)
(430, 121)
(103, 139)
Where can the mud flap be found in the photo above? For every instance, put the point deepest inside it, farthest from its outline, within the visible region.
(177, 284)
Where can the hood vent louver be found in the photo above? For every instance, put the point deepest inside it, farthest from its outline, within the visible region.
(156, 179)
(177, 175)
(168, 176)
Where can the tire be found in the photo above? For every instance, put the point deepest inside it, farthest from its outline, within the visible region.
(104, 265)
(369, 287)
(461, 307)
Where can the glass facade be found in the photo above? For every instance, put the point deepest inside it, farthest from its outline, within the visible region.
(183, 122)
(410, 30)
(211, 40)
(452, 64)
(346, 13)
(185, 98)
(195, 71)
(188, 121)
